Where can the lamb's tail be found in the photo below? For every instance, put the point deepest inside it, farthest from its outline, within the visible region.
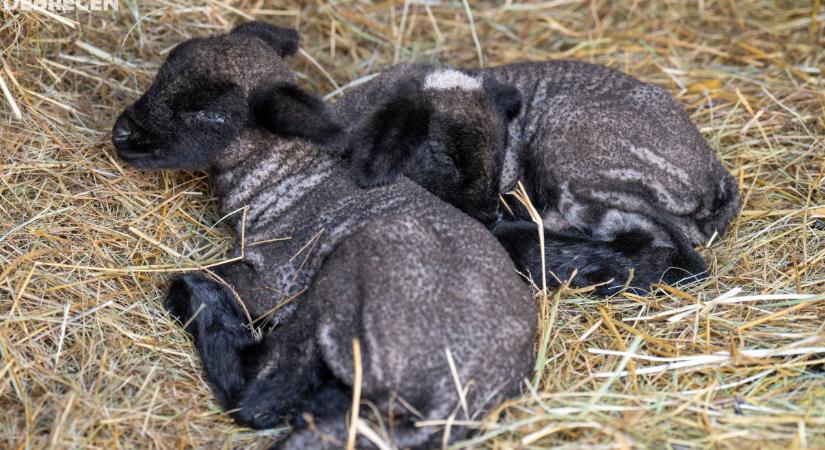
(604, 263)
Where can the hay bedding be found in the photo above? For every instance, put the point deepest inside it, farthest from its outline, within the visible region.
(90, 360)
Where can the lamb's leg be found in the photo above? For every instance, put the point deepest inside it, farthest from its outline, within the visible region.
(264, 381)
(214, 318)
(597, 261)
(331, 431)
(322, 435)
(287, 379)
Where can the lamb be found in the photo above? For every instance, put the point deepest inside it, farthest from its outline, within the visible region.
(621, 176)
(414, 280)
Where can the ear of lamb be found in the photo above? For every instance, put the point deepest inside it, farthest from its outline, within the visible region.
(506, 97)
(382, 148)
(287, 110)
(283, 40)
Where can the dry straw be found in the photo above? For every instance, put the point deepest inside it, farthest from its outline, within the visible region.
(88, 358)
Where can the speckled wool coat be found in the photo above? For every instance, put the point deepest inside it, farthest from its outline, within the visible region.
(405, 272)
(301, 204)
(590, 135)
(597, 149)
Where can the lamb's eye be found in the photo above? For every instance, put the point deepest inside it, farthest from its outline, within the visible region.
(190, 101)
(457, 158)
(213, 117)
(440, 154)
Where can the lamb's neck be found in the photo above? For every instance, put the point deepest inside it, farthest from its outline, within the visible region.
(267, 175)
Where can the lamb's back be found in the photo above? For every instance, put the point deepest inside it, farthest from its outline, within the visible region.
(602, 133)
(283, 255)
(433, 266)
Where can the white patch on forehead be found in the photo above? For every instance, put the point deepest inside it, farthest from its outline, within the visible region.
(448, 79)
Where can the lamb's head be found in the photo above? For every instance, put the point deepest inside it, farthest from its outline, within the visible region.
(209, 91)
(447, 132)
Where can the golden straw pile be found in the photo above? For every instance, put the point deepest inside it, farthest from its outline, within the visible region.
(89, 359)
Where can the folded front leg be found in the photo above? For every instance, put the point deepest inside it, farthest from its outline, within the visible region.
(214, 317)
(596, 261)
(287, 378)
(264, 382)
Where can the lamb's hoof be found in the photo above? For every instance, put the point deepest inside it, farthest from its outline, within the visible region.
(259, 413)
(192, 292)
(178, 302)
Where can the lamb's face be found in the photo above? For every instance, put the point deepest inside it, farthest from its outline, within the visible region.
(447, 133)
(459, 159)
(200, 98)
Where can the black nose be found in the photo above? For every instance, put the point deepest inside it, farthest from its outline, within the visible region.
(121, 134)
(123, 130)
(128, 137)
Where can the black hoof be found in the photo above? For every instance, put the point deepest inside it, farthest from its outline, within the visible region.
(178, 302)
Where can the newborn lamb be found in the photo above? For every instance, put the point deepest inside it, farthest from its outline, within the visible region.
(621, 176)
(610, 153)
(410, 277)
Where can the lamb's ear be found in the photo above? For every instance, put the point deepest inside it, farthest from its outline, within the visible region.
(283, 40)
(387, 140)
(506, 97)
(287, 110)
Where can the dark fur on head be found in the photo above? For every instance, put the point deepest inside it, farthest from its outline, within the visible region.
(381, 151)
(289, 111)
(506, 97)
(414, 131)
(185, 122)
(283, 40)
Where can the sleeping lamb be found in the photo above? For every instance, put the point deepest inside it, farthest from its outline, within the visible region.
(409, 276)
(621, 176)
